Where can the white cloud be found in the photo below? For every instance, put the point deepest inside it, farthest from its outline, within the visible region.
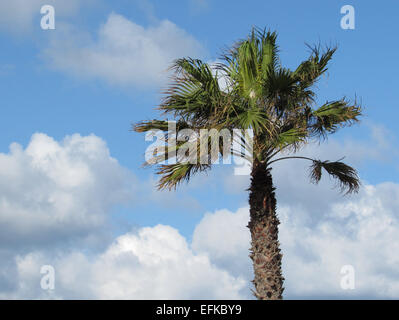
(124, 53)
(158, 263)
(362, 231)
(155, 263)
(52, 191)
(224, 237)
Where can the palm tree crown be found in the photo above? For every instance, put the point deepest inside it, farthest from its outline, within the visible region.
(259, 94)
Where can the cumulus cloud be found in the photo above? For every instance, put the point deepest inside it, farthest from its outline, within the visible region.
(52, 191)
(155, 263)
(55, 196)
(224, 237)
(124, 53)
(158, 263)
(361, 231)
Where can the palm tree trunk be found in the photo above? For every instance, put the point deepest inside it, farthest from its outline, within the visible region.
(263, 225)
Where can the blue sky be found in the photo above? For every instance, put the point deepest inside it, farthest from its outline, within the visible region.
(102, 69)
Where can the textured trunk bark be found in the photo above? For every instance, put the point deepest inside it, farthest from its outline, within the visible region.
(263, 224)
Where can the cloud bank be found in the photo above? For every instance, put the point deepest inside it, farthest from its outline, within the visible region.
(154, 263)
(52, 192)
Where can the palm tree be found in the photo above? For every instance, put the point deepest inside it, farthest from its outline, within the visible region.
(278, 105)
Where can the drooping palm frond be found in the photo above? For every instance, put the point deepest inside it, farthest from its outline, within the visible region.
(345, 175)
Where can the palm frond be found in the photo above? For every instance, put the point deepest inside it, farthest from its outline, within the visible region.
(253, 118)
(345, 175)
(290, 138)
(269, 52)
(333, 115)
(279, 87)
(174, 174)
(310, 70)
(194, 92)
(149, 125)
